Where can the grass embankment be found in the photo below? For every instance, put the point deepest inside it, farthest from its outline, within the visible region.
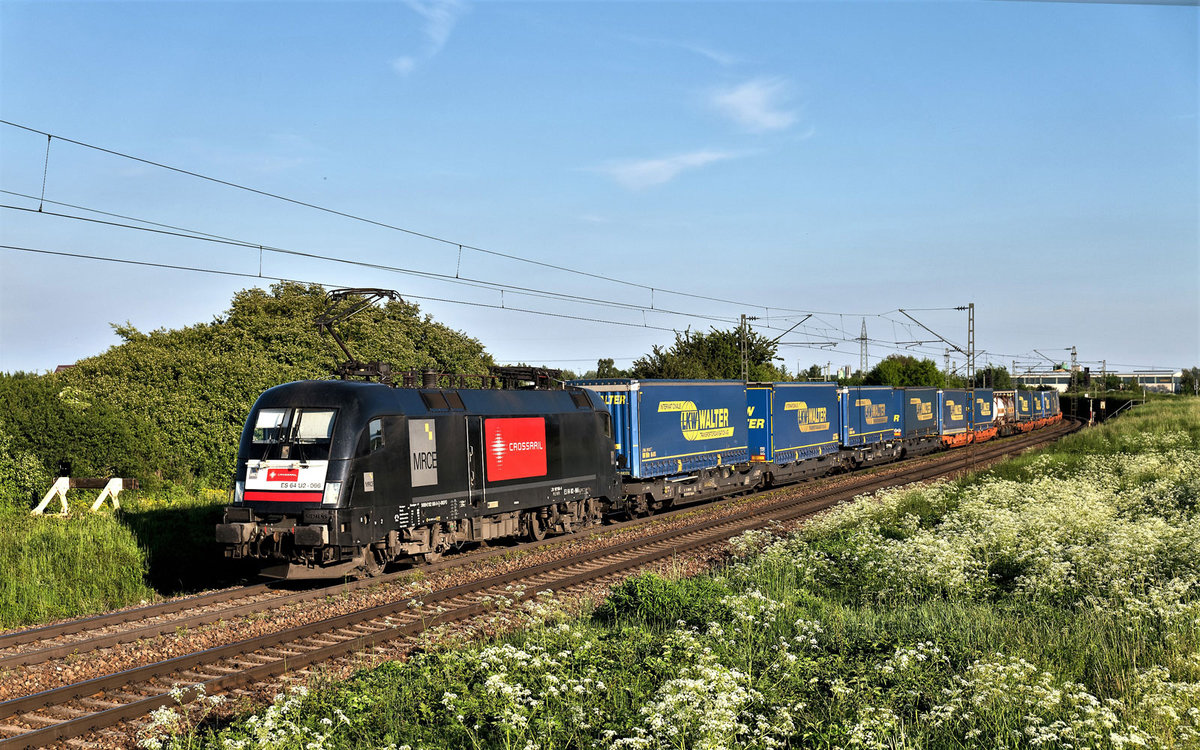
(54, 567)
(1049, 603)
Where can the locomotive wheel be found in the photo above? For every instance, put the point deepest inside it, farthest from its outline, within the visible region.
(591, 514)
(537, 527)
(371, 566)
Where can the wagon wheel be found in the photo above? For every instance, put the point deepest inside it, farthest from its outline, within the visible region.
(431, 557)
(643, 505)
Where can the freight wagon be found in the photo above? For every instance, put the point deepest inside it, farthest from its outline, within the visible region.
(871, 414)
(982, 414)
(677, 438)
(795, 428)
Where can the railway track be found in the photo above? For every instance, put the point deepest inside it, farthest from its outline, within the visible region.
(73, 710)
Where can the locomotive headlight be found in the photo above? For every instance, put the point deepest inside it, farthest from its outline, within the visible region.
(239, 492)
(333, 490)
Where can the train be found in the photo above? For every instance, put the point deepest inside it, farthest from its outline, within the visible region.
(338, 477)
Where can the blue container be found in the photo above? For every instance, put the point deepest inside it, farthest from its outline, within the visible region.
(871, 414)
(805, 421)
(954, 411)
(758, 411)
(1025, 401)
(1055, 409)
(669, 427)
(982, 410)
(921, 406)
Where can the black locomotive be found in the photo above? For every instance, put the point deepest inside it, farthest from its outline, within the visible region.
(339, 476)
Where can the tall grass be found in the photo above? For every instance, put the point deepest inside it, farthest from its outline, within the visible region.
(159, 543)
(1050, 604)
(176, 528)
(53, 568)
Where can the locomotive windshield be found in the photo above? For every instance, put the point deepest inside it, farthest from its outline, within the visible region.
(300, 434)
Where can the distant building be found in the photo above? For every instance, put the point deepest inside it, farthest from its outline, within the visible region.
(1160, 381)
(60, 368)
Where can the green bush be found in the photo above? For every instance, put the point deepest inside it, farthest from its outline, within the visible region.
(657, 602)
(23, 478)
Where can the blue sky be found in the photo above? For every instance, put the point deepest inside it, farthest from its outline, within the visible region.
(850, 158)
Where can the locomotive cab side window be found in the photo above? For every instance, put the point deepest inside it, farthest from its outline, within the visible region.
(374, 435)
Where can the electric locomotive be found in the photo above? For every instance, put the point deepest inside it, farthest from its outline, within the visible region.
(337, 476)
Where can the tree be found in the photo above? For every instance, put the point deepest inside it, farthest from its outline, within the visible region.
(715, 355)
(1189, 384)
(23, 478)
(174, 401)
(901, 370)
(993, 377)
(47, 417)
(606, 369)
(814, 373)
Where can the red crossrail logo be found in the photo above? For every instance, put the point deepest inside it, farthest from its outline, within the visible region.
(516, 448)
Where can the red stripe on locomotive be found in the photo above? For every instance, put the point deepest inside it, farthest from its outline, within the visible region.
(283, 497)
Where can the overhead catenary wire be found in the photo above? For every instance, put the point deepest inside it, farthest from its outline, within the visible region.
(438, 239)
(196, 234)
(816, 346)
(377, 223)
(245, 275)
(423, 235)
(180, 232)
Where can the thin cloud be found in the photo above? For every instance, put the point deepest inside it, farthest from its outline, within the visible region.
(758, 105)
(639, 175)
(440, 17)
(717, 56)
